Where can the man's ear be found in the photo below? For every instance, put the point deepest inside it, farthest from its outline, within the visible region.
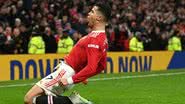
(99, 18)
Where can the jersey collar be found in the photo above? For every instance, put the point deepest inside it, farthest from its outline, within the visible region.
(99, 31)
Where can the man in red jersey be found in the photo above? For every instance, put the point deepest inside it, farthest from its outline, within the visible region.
(86, 59)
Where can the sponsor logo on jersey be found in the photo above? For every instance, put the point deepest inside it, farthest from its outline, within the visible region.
(93, 46)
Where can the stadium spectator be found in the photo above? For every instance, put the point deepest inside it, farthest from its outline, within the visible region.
(81, 26)
(59, 34)
(36, 44)
(77, 36)
(70, 30)
(87, 58)
(9, 44)
(65, 43)
(26, 34)
(18, 41)
(174, 43)
(17, 22)
(182, 34)
(49, 40)
(136, 43)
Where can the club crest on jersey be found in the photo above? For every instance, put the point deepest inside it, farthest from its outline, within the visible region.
(93, 46)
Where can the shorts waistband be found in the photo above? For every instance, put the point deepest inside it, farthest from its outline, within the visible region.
(63, 61)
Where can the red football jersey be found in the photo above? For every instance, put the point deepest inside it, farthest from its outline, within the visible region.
(88, 56)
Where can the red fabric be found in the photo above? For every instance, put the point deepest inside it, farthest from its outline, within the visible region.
(126, 45)
(88, 57)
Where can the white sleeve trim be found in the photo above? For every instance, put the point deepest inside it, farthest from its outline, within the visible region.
(70, 80)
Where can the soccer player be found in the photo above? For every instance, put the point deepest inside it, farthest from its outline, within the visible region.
(86, 59)
(74, 98)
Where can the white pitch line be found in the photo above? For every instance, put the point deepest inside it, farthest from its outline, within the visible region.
(137, 76)
(17, 85)
(112, 78)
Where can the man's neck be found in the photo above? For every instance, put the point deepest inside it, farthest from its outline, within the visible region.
(98, 27)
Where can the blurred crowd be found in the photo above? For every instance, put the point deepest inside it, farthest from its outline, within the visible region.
(155, 21)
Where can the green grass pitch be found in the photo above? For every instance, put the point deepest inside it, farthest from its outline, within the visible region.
(125, 88)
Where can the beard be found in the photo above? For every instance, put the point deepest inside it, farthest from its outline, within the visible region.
(91, 22)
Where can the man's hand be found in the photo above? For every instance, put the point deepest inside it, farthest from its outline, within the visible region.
(85, 82)
(63, 82)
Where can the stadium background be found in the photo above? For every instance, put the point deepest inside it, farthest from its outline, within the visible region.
(136, 77)
(157, 21)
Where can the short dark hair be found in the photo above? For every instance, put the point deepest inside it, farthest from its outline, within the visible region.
(105, 9)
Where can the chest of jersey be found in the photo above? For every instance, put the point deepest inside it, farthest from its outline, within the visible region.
(83, 42)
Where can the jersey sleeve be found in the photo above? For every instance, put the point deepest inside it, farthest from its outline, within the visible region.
(94, 53)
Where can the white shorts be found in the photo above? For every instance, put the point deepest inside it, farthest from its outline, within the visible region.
(50, 84)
